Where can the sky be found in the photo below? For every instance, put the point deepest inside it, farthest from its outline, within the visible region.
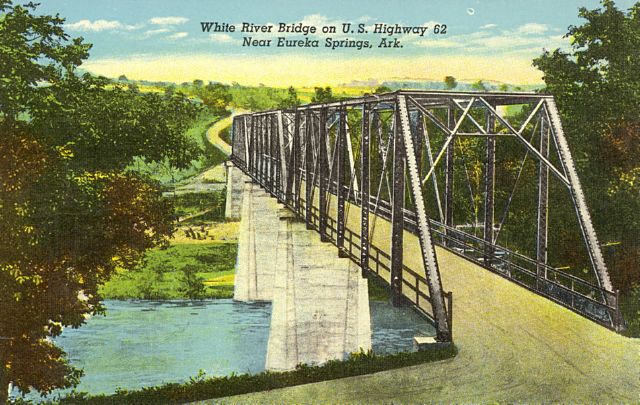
(164, 41)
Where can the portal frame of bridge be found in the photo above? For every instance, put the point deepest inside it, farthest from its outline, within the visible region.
(313, 145)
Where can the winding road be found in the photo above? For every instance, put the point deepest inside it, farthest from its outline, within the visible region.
(213, 133)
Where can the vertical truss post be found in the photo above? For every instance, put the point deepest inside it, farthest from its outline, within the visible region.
(323, 174)
(266, 152)
(364, 189)
(448, 172)
(420, 140)
(341, 150)
(246, 134)
(443, 326)
(543, 208)
(489, 188)
(308, 177)
(266, 164)
(254, 146)
(258, 127)
(397, 212)
(294, 170)
(282, 158)
(249, 143)
(275, 161)
(269, 151)
(263, 150)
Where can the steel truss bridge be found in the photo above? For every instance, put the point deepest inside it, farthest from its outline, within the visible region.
(393, 156)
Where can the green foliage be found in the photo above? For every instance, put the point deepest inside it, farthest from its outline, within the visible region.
(199, 388)
(225, 134)
(192, 285)
(71, 213)
(191, 203)
(215, 96)
(479, 86)
(290, 101)
(450, 82)
(110, 127)
(167, 174)
(597, 89)
(322, 95)
(257, 98)
(176, 272)
(382, 89)
(630, 307)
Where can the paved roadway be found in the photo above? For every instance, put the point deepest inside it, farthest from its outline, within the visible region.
(514, 346)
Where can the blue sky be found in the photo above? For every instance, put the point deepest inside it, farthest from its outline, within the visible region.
(163, 40)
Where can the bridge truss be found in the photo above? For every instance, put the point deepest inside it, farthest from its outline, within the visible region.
(402, 156)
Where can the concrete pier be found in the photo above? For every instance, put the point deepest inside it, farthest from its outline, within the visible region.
(235, 190)
(320, 305)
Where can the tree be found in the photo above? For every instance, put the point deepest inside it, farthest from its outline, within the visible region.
(216, 96)
(382, 89)
(322, 95)
(71, 212)
(170, 90)
(479, 86)
(191, 284)
(198, 83)
(597, 89)
(291, 100)
(122, 78)
(450, 82)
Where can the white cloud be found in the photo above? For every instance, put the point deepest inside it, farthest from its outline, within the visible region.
(439, 43)
(220, 37)
(151, 33)
(522, 40)
(98, 25)
(168, 20)
(317, 20)
(178, 35)
(488, 26)
(532, 28)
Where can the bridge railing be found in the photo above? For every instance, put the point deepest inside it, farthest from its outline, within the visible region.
(587, 299)
(581, 296)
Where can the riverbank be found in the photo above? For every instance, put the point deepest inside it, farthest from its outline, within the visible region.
(201, 387)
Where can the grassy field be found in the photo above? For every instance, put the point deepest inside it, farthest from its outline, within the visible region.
(183, 270)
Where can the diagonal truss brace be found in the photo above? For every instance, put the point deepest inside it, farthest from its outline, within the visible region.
(424, 231)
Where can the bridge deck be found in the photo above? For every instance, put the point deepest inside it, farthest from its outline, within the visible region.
(514, 346)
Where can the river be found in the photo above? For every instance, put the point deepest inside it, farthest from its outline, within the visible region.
(146, 343)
